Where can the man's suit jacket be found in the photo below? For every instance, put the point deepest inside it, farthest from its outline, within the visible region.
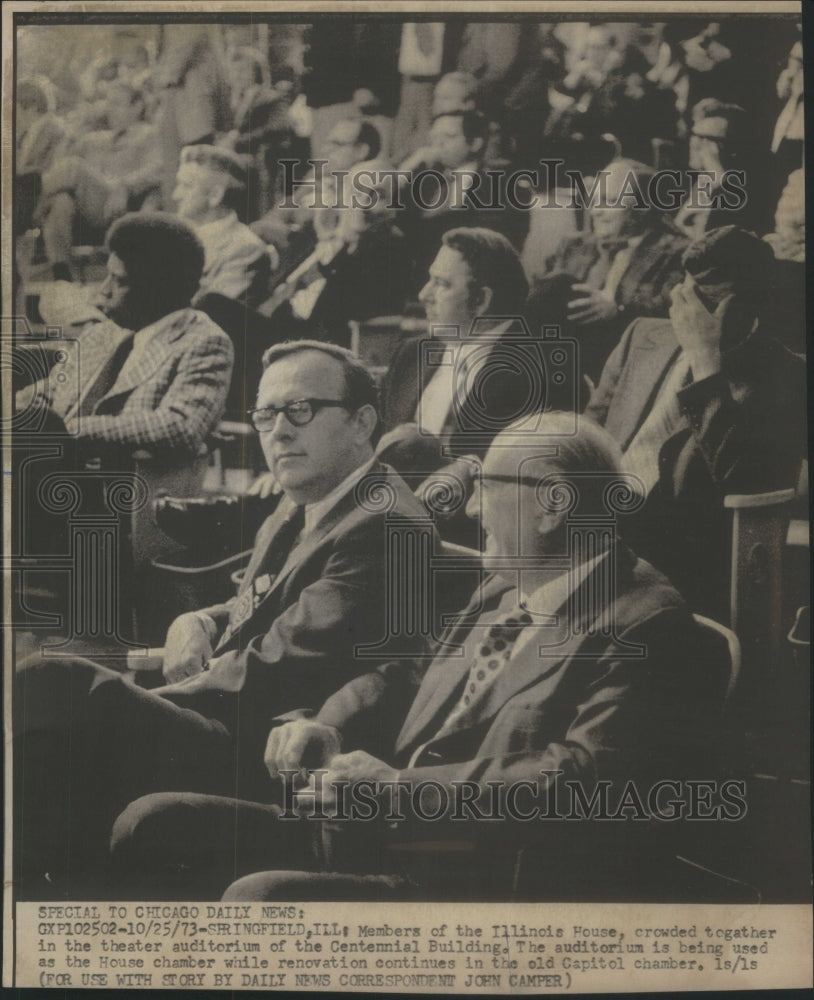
(587, 708)
(741, 431)
(374, 280)
(644, 289)
(170, 397)
(238, 264)
(500, 396)
(654, 269)
(299, 643)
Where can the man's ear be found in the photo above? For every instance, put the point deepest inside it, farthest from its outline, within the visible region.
(366, 419)
(476, 145)
(550, 523)
(217, 192)
(483, 300)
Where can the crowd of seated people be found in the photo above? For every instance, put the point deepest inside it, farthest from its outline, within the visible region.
(642, 350)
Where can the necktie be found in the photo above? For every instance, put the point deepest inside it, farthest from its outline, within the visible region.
(104, 380)
(254, 592)
(284, 541)
(490, 660)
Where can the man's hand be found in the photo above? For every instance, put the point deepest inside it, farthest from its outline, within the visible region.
(347, 768)
(188, 647)
(301, 744)
(698, 330)
(420, 158)
(265, 486)
(592, 307)
(116, 203)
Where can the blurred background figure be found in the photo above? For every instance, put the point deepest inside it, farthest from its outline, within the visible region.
(100, 176)
(190, 81)
(260, 124)
(209, 191)
(38, 136)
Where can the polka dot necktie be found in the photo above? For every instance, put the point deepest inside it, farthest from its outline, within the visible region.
(493, 653)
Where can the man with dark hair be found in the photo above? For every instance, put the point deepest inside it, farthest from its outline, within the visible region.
(312, 606)
(704, 404)
(310, 213)
(448, 186)
(476, 275)
(360, 269)
(447, 394)
(147, 370)
(721, 141)
(209, 191)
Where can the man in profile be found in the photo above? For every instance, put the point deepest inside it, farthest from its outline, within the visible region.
(492, 370)
(314, 595)
(147, 370)
(210, 187)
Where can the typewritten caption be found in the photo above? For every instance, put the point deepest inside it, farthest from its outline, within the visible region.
(411, 947)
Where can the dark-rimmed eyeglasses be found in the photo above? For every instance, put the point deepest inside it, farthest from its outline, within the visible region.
(298, 412)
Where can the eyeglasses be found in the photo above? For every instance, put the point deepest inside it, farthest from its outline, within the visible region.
(298, 412)
(497, 477)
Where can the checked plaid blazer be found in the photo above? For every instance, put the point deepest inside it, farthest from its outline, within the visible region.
(168, 396)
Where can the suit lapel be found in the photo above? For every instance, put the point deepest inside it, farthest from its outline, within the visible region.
(641, 261)
(265, 540)
(153, 357)
(94, 350)
(434, 700)
(447, 671)
(648, 364)
(342, 509)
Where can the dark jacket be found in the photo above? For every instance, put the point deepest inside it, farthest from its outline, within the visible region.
(741, 431)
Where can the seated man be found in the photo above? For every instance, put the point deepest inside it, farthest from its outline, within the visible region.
(598, 282)
(493, 369)
(315, 591)
(539, 684)
(448, 185)
(358, 270)
(39, 135)
(210, 188)
(704, 404)
(722, 140)
(102, 175)
(294, 226)
(147, 370)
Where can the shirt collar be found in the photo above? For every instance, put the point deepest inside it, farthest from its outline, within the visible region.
(551, 596)
(316, 512)
(207, 230)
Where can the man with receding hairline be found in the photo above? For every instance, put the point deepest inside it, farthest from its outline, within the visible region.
(574, 661)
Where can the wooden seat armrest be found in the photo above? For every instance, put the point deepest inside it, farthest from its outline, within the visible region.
(741, 501)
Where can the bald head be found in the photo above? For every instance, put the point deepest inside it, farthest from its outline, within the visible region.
(531, 482)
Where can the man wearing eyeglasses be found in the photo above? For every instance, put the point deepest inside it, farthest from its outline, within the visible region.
(315, 593)
(573, 662)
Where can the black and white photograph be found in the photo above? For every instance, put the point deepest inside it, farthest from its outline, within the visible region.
(406, 489)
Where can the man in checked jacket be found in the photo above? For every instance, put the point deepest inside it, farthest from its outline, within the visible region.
(147, 371)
